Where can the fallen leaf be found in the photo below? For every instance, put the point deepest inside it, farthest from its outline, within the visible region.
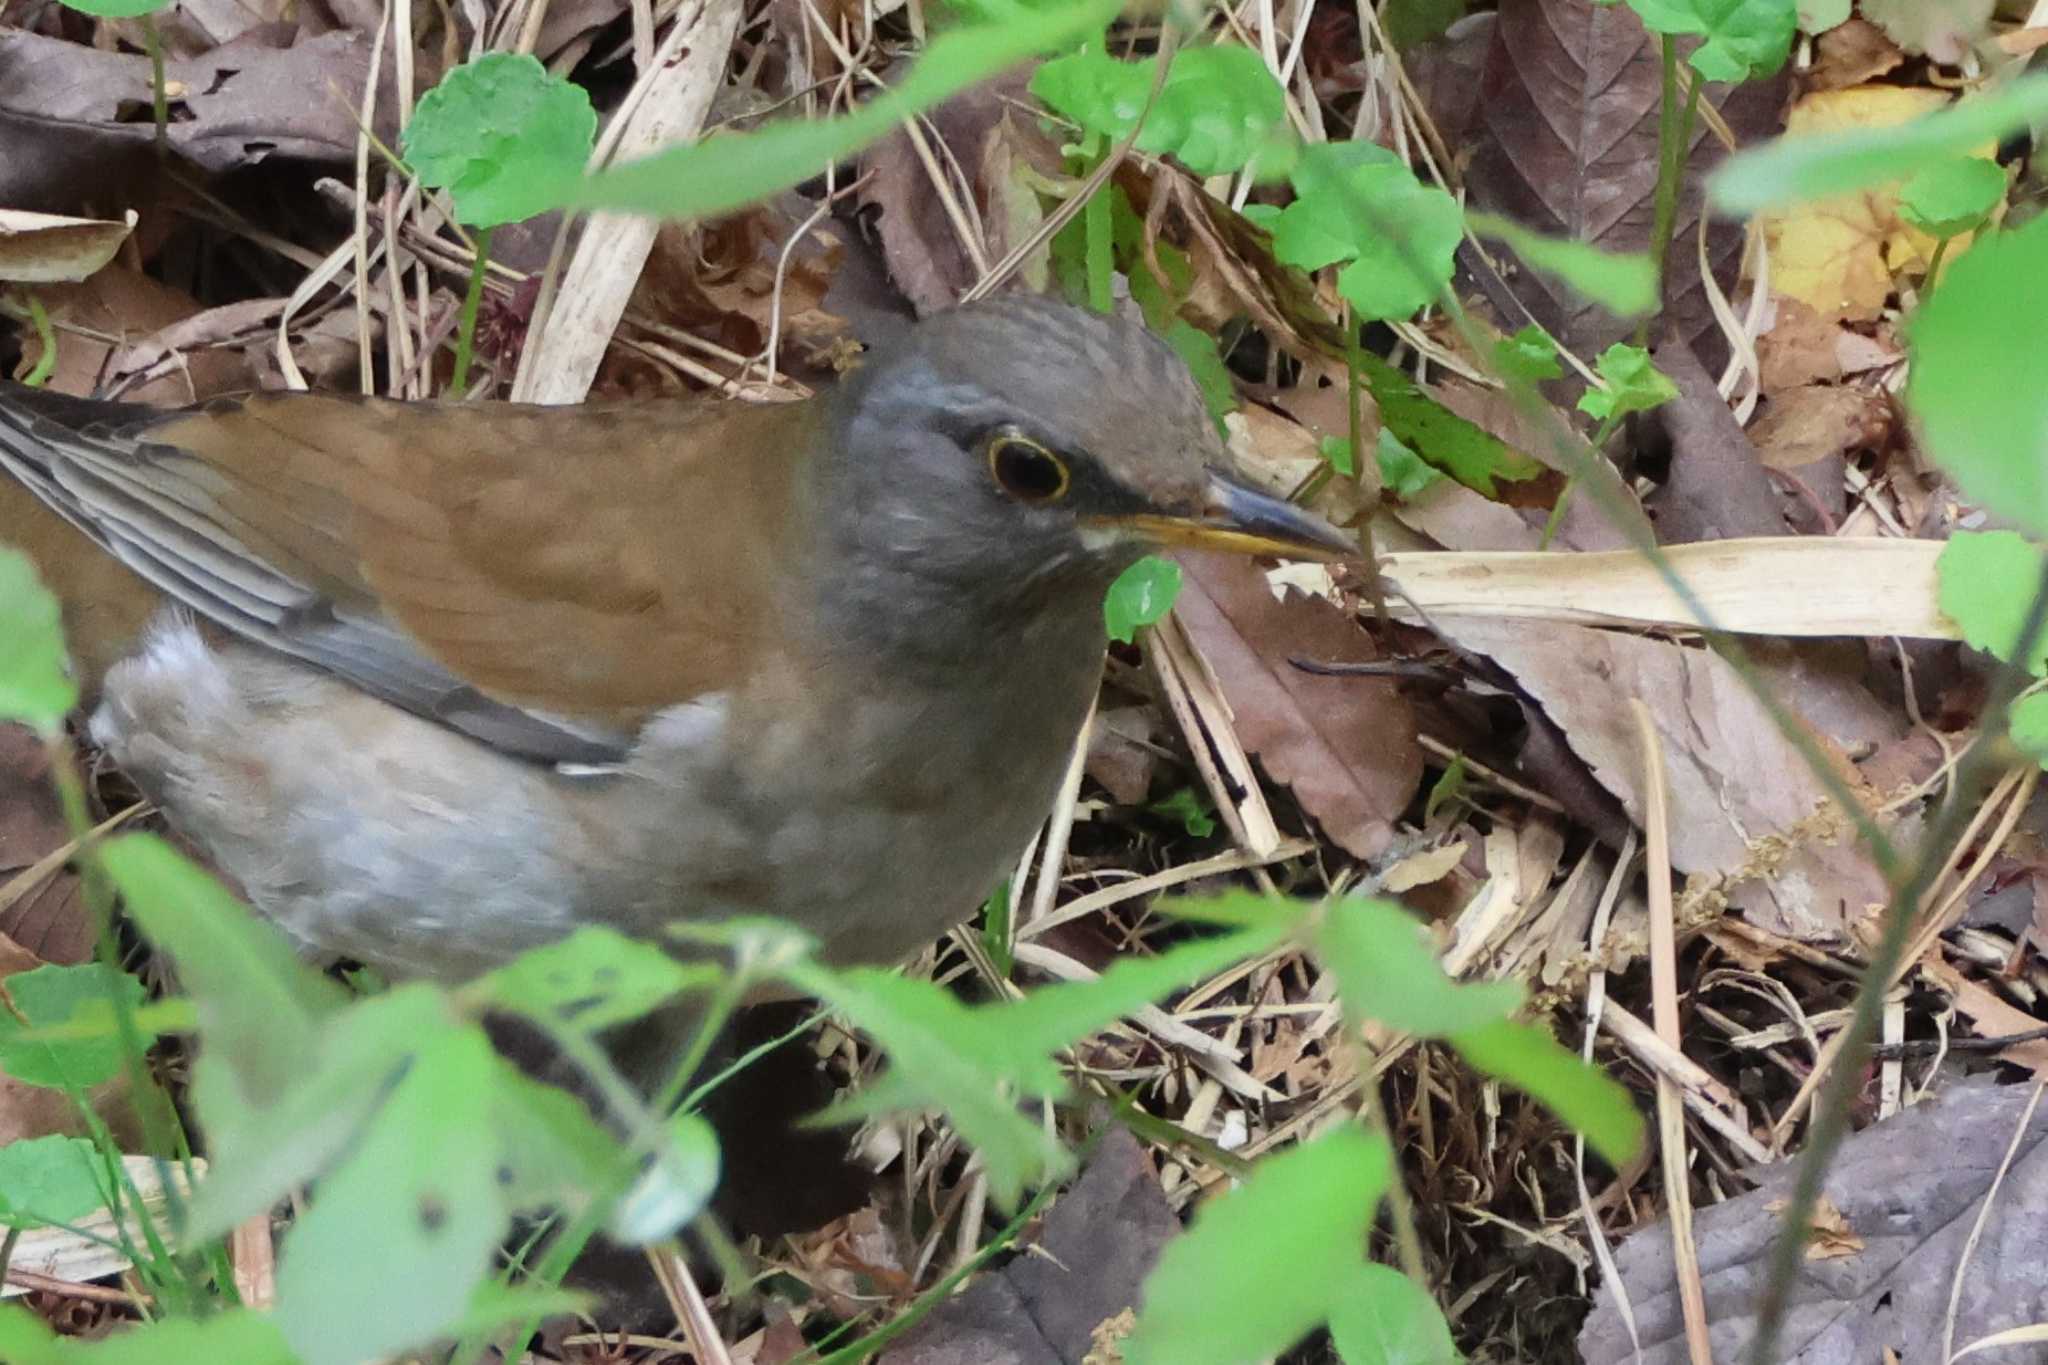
(1716, 489)
(1045, 1307)
(1345, 746)
(42, 248)
(48, 920)
(1911, 1188)
(1851, 53)
(1945, 30)
(1420, 869)
(1124, 752)
(1839, 255)
(1803, 425)
(120, 303)
(1991, 1014)
(1778, 850)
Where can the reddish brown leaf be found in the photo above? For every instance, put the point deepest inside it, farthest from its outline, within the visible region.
(1345, 746)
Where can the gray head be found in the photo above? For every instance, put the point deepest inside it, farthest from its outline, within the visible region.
(1020, 453)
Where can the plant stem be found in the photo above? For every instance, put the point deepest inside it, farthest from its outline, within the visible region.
(1674, 141)
(1564, 496)
(465, 333)
(46, 337)
(1934, 264)
(1096, 229)
(1831, 1114)
(152, 43)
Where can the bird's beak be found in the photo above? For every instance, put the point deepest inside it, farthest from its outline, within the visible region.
(1243, 520)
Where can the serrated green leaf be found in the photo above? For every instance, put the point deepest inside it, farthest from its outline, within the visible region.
(1624, 283)
(46, 1181)
(258, 1003)
(1299, 1224)
(592, 980)
(1188, 808)
(1140, 596)
(1801, 169)
(1217, 109)
(1986, 580)
(501, 135)
(1978, 387)
(1528, 356)
(728, 170)
(1387, 971)
(422, 1189)
(1634, 384)
(1381, 1317)
(1475, 458)
(35, 681)
(1744, 39)
(50, 996)
(674, 1188)
(978, 1064)
(1402, 472)
(1592, 1103)
(1952, 197)
(1397, 235)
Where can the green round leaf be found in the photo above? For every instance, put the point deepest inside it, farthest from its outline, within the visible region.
(2029, 722)
(1986, 580)
(1633, 384)
(1745, 39)
(1952, 197)
(35, 684)
(1402, 472)
(1218, 108)
(1398, 235)
(50, 996)
(48, 1180)
(1979, 382)
(501, 135)
(1140, 596)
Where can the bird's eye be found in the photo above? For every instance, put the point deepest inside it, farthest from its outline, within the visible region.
(1026, 470)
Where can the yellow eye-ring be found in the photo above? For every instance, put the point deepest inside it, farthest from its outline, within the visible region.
(1026, 470)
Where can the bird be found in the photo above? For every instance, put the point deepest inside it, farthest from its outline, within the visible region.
(436, 683)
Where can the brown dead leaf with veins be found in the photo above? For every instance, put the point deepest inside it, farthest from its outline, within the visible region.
(1829, 1235)
(1346, 747)
(1748, 817)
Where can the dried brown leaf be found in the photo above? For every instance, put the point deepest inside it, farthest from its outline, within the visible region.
(1345, 746)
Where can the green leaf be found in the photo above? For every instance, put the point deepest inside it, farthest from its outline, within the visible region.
(1279, 915)
(1293, 1236)
(1818, 16)
(675, 1188)
(47, 1181)
(264, 1144)
(1745, 39)
(258, 1003)
(1336, 453)
(728, 170)
(1528, 1058)
(1397, 235)
(1978, 387)
(1402, 472)
(589, 981)
(1446, 789)
(1140, 596)
(1190, 809)
(422, 1190)
(1987, 579)
(501, 135)
(116, 9)
(1475, 458)
(50, 996)
(1411, 23)
(1197, 350)
(1952, 197)
(1384, 1318)
(978, 1064)
(35, 683)
(1387, 971)
(1801, 169)
(1624, 283)
(1528, 356)
(1633, 384)
(2029, 722)
(1217, 109)
(234, 1335)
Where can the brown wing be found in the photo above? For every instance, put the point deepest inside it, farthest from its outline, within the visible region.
(542, 577)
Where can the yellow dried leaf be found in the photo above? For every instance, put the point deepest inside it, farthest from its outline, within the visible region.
(1839, 256)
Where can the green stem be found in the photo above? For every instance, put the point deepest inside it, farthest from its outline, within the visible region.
(152, 43)
(1674, 141)
(465, 333)
(1353, 429)
(1095, 226)
(46, 337)
(1934, 265)
(1564, 496)
(1831, 1112)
